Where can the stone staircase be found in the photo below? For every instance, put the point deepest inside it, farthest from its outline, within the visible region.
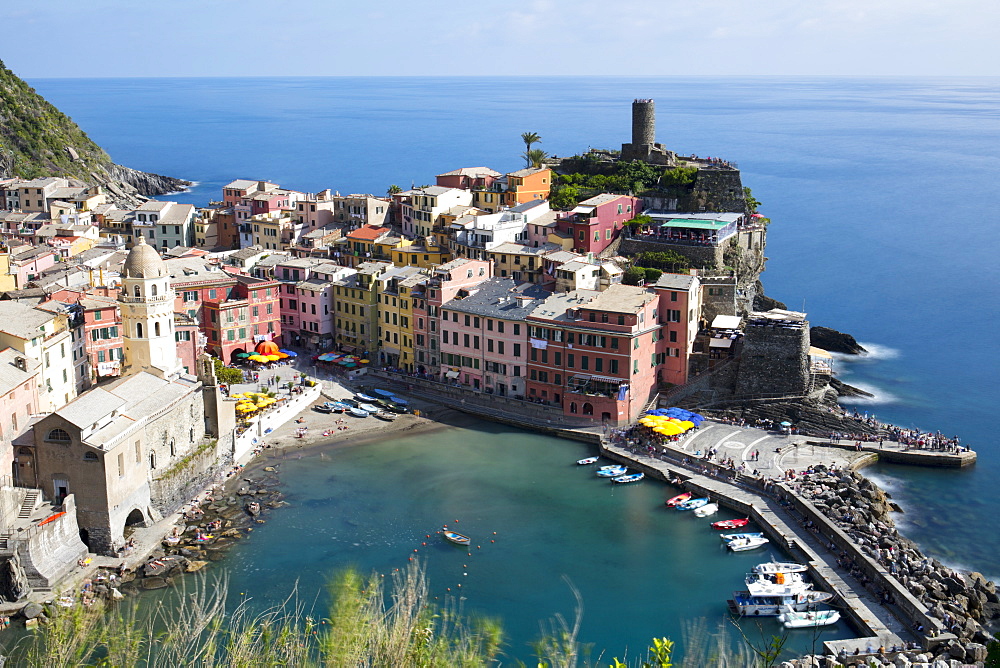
(30, 503)
(5, 536)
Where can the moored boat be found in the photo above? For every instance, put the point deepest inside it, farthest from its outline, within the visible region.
(369, 408)
(808, 619)
(770, 567)
(731, 524)
(357, 412)
(736, 536)
(691, 504)
(587, 460)
(611, 471)
(384, 415)
(631, 477)
(777, 584)
(744, 603)
(680, 498)
(367, 398)
(455, 537)
(749, 543)
(706, 510)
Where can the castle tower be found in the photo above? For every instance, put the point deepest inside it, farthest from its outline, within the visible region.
(147, 306)
(643, 122)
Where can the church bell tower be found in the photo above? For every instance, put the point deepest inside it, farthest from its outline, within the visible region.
(147, 307)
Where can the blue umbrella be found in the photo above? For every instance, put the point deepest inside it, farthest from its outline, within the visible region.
(290, 353)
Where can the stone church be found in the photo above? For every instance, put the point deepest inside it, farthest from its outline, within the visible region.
(137, 448)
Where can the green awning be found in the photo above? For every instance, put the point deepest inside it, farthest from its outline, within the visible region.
(694, 224)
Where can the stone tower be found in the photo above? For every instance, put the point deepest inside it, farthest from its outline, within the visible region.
(643, 146)
(643, 122)
(147, 306)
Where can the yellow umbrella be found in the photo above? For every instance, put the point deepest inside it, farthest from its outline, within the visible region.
(687, 424)
(272, 358)
(235, 396)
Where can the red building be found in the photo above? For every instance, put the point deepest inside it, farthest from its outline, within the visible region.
(594, 353)
(598, 221)
(102, 330)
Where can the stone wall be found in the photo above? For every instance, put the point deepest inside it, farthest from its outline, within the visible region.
(178, 484)
(724, 187)
(261, 425)
(699, 256)
(47, 553)
(718, 297)
(775, 362)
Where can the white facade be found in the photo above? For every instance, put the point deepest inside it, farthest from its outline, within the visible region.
(147, 307)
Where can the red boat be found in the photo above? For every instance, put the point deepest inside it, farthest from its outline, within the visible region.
(731, 524)
(680, 498)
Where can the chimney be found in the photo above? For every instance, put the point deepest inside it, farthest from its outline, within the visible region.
(20, 363)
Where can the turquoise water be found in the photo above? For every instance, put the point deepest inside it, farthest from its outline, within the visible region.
(881, 192)
(642, 569)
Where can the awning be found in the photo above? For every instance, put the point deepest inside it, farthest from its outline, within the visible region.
(452, 374)
(726, 322)
(721, 343)
(600, 379)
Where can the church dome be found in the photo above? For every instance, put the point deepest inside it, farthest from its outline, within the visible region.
(143, 262)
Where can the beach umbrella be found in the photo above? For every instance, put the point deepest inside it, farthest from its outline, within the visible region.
(687, 424)
(350, 365)
(290, 353)
(267, 347)
(282, 356)
(242, 355)
(272, 358)
(786, 424)
(365, 361)
(235, 396)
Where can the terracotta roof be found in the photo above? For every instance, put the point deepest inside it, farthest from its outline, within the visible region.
(368, 233)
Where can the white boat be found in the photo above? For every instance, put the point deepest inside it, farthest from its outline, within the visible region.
(587, 460)
(611, 471)
(691, 504)
(726, 537)
(706, 510)
(809, 619)
(779, 584)
(632, 477)
(744, 544)
(771, 567)
(745, 603)
(369, 408)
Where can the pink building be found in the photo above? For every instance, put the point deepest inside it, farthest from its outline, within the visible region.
(468, 178)
(598, 221)
(249, 198)
(594, 353)
(447, 281)
(27, 264)
(484, 336)
(679, 312)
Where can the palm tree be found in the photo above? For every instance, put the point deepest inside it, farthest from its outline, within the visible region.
(534, 157)
(529, 138)
(394, 190)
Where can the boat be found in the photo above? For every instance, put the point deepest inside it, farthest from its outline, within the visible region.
(744, 544)
(392, 406)
(456, 538)
(368, 399)
(612, 471)
(631, 477)
(691, 504)
(369, 408)
(357, 412)
(382, 393)
(323, 408)
(706, 510)
(587, 460)
(744, 603)
(338, 406)
(680, 498)
(808, 619)
(385, 415)
(731, 524)
(780, 567)
(736, 536)
(777, 584)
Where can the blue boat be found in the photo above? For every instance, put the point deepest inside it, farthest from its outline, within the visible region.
(691, 504)
(631, 477)
(382, 393)
(612, 471)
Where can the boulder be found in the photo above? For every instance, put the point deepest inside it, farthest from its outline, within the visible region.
(833, 341)
(975, 652)
(155, 583)
(195, 566)
(956, 651)
(32, 610)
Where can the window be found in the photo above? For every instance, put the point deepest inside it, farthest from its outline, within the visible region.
(613, 366)
(673, 315)
(584, 362)
(673, 337)
(517, 329)
(138, 452)
(121, 464)
(58, 435)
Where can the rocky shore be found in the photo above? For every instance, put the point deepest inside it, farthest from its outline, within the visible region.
(966, 604)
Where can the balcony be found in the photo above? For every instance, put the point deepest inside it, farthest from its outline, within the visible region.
(158, 299)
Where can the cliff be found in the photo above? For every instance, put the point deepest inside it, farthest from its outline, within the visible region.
(36, 140)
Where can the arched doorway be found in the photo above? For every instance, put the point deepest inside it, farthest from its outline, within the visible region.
(588, 408)
(135, 519)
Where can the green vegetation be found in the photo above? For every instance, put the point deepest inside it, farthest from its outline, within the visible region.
(529, 139)
(752, 202)
(184, 462)
(586, 176)
(365, 625)
(393, 190)
(35, 136)
(668, 260)
(227, 374)
(534, 157)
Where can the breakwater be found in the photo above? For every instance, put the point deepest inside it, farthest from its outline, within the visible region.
(838, 523)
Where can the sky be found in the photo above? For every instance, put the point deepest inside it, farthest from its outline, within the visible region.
(159, 38)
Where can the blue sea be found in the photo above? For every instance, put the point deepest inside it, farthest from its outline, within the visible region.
(882, 194)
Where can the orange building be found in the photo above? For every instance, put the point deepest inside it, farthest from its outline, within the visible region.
(526, 185)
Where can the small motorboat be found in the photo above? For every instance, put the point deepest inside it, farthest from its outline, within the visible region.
(631, 477)
(382, 393)
(808, 619)
(357, 412)
(587, 460)
(706, 510)
(773, 567)
(726, 537)
(612, 471)
(323, 408)
(680, 498)
(691, 504)
(745, 603)
(731, 524)
(385, 415)
(456, 538)
(744, 544)
(368, 408)
(368, 399)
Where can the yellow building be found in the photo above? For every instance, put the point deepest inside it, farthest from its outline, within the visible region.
(271, 230)
(8, 281)
(420, 256)
(395, 315)
(355, 308)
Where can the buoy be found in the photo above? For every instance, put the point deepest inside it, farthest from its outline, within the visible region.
(411, 558)
(456, 521)
(494, 533)
(449, 588)
(414, 550)
(459, 585)
(428, 535)
(479, 547)
(492, 541)
(424, 544)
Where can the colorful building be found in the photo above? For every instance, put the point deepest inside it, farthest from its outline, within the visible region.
(355, 300)
(594, 223)
(526, 185)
